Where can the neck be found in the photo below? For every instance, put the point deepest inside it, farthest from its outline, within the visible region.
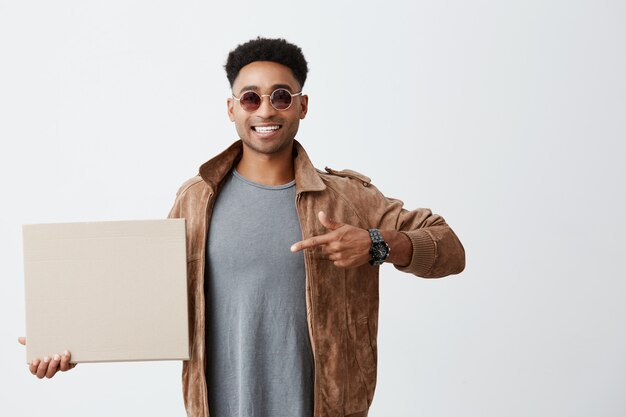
(267, 169)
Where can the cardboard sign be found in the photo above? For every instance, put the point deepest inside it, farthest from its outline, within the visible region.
(106, 291)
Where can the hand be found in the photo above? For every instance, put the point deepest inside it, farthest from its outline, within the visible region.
(49, 366)
(347, 246)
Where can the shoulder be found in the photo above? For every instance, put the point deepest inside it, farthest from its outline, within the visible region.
(351, 189)
(346, 177)
(351, 185)
(346, 180)
(190, 185)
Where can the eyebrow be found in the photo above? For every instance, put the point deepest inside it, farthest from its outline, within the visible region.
(274, 87)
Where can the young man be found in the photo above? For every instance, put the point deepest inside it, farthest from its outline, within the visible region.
(283, 260)
(281, 328)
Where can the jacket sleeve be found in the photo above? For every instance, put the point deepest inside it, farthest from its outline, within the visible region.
(437, 251)
(175, 210)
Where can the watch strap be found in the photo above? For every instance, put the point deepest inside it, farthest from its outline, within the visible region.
(379, 251)
(375, 235)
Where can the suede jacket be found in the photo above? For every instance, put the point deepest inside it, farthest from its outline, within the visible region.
(342, 304)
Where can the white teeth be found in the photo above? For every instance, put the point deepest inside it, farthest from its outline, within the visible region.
(266, 129)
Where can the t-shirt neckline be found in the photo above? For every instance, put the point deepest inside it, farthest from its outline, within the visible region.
(263, 186)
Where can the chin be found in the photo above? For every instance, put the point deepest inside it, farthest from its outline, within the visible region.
(267, 148)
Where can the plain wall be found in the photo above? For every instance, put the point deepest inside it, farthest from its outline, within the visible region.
(506, 117)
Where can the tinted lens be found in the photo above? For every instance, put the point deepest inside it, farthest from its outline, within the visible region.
(281, 99)
(250, 101)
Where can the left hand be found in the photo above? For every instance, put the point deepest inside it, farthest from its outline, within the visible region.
(347, 246)
(49, 365)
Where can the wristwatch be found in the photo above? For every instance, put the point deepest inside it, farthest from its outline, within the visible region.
(379, 251)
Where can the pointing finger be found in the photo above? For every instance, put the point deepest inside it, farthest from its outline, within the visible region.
(312, 242)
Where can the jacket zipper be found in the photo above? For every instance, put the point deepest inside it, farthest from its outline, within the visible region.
(310, 326)
(202, 298)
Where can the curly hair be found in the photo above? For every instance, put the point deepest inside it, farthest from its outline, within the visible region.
(264, 49)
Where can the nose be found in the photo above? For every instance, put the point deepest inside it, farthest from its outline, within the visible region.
(266, 109)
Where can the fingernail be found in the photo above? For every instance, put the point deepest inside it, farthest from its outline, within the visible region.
(66, 353)
(293, 248)
(57, 357)
(46, 359)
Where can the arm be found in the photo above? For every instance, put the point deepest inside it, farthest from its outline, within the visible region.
(421, 242)
(436, 251)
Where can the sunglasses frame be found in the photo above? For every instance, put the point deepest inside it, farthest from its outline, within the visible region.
(266, 95)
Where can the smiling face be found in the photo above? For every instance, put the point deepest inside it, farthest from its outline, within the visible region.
(267, 130)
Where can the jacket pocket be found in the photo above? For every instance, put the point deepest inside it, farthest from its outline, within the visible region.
(366, 356)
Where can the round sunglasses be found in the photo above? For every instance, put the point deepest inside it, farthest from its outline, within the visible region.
(280, 99)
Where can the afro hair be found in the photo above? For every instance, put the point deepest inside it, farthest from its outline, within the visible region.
(263, 49)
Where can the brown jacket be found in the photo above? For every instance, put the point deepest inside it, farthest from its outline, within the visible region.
(342, 304)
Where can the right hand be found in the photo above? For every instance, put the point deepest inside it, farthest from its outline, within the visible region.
(49, 366)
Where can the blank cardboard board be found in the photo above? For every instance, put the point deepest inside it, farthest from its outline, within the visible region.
(106, 291)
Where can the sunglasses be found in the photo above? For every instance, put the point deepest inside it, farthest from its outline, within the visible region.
(280, 99)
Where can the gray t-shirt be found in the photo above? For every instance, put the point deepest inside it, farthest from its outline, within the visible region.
(259, 359)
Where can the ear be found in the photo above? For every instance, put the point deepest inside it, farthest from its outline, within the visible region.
(230, 108)
(304, 106)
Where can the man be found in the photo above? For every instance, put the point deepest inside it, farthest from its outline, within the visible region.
(283, 259)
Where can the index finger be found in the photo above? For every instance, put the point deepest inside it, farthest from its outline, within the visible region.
(33, 366)
(312, 242)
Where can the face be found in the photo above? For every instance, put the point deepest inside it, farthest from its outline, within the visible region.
(267, 130)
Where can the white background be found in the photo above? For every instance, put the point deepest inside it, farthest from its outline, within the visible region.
(507, 118)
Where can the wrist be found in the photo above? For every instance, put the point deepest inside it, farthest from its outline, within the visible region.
(401, 248)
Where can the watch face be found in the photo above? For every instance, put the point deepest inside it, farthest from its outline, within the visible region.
(379, 250)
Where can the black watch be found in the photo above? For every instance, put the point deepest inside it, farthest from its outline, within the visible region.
(379, 251)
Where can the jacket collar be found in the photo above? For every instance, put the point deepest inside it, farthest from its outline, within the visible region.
(307, 178)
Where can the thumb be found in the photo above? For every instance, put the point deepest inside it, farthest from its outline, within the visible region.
(327, 222)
